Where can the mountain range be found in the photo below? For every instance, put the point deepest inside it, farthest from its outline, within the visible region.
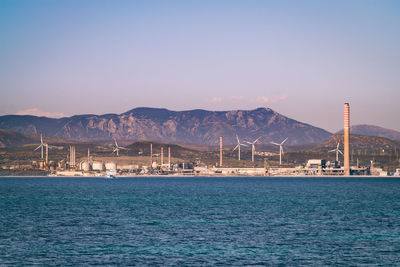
(154, 124)
(372, 130)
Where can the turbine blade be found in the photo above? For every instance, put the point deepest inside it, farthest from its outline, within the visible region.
(249, 142)
(340, 152)
(275, 143)
(243, 145)
(37, 148)
(284, 140)
(235, 147)
(237, 138)
(255, 141)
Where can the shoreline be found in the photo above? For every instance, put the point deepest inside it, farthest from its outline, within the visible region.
(205, 176)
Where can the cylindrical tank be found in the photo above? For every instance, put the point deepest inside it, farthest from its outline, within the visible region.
(85, 166)
(111, 166)
(127, 167)
(98, 166)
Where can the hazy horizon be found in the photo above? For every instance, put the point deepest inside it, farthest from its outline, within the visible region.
(301, 59)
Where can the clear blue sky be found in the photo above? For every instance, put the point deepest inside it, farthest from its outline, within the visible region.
(303, 59)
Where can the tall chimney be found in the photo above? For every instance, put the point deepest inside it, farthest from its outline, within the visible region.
(72, 156)
(162, 155)
(220, 151)
(169, 156)
(47, 155)
(151, 154)
(346, 139)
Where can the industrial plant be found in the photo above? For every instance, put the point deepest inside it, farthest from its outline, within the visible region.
(142, 158)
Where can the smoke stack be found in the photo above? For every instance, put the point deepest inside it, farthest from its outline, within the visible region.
(346, 132)
(151, 154)
(169, 156)
(220, 151)
(47, 155)
(72, 156)
(162, 155)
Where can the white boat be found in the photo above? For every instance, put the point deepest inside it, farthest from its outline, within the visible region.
(111, 174)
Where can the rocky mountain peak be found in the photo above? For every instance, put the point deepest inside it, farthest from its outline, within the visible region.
(158, 124)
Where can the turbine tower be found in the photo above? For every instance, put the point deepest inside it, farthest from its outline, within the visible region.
(280, 149)
(238, 146)
(42, 145)
(117, 148)
(253, 148)
(337, 151)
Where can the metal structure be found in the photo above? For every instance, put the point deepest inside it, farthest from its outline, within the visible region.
(117, 148)
(42, 145)
(238, 146)
(280, 149)
(72, 156)
(337, 151)
(253, 148)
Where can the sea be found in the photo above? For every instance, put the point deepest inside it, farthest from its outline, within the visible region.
(200, 221)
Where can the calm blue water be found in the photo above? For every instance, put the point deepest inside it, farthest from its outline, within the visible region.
(199, 221)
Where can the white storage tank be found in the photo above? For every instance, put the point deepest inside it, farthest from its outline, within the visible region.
(128, 167)
(111, 166)
(98, 166)
(85, 166)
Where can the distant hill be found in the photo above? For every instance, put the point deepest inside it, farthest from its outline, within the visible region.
(372, 130)
(200, 127)
(360, 142)
(268, 147)
(13, 139)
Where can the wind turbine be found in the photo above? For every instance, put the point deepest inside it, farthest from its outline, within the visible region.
(337, 151)
(238, 146)
(42, 145)
(253, 148)
(280, 149)
(117, 148)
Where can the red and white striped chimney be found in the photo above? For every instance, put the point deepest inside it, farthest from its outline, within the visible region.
(220, 151)
(346, 133)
